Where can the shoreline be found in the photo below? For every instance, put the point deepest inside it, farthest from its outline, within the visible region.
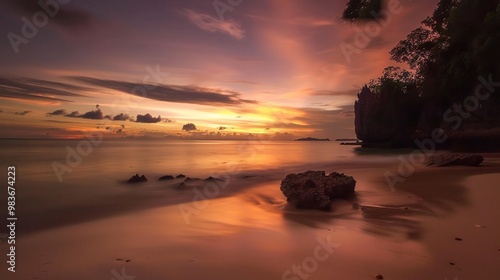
(154, 194)
(253, 233)
(138, 197)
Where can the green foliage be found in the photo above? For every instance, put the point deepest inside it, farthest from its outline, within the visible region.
(395, 79)
(361, 10)
(452, 48)
(449, 51)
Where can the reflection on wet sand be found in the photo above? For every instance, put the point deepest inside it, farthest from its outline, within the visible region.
(253, 233)
(391, 220)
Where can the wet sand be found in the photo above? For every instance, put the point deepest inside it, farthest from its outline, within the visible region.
(252, 233)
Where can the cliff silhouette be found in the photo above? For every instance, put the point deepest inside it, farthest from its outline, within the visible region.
(451, 82)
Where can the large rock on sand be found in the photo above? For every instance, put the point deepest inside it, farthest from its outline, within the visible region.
(315, 190)
(453, 160)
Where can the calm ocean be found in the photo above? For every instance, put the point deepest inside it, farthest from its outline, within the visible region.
(94, 178)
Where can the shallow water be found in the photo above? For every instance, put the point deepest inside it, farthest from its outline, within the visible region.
(94, 177)
(88, 225)
(196, 158)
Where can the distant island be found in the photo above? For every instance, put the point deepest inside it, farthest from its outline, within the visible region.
(312, 139)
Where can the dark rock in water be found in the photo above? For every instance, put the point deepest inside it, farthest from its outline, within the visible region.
(166, 177)
(180, 176)
(191, 180)
(315, 190)
(453, 160)
(197, 182)
(215, 180)
(137, 179)
(379, 276)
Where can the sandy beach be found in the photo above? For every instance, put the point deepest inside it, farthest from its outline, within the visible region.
(439, 224)
(250, 140)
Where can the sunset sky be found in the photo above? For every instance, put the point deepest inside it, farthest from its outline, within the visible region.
(272, 67)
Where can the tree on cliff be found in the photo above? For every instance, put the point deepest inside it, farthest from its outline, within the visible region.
(387, 110)
(454, 46)
(361, 9)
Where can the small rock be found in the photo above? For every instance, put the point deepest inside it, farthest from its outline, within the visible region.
(166, 177)
(480, 226)
(191, 180)
(180, 176)
(379, 276)
(119, 259)
(127, 261)
(137, 179)
(458, 239)
(214, 180)
(405, 208)
(452, 263)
